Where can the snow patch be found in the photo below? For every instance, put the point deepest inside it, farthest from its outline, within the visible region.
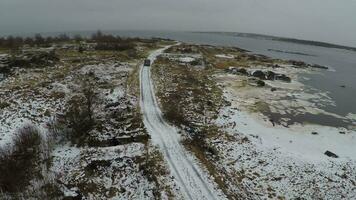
(226, 56)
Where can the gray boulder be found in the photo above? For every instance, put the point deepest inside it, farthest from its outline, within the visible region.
(283, 77)
(259, 74)
(270, 75)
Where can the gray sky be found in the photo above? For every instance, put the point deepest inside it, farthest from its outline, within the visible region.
(323, 20)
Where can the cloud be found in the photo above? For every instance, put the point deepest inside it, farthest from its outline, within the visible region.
(326, 20)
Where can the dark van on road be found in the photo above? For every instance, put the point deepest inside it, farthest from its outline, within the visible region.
(147, 63)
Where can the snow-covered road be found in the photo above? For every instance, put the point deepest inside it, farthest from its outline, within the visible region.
(193, 182)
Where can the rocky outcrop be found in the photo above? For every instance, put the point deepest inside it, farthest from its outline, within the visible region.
(283, 77)
(318, 66)
(269, 75)
(262, 75)
(259, 74)
(260, 83)
(301, 64)
(237, 70)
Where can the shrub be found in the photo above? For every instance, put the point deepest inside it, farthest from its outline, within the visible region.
(80, 110)
(115, 46)
(4, 104)
(78, 118)
(19, 163)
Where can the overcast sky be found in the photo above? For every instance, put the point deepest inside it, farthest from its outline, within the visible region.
(323, 20)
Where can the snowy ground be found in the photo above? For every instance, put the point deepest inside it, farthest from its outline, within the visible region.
(26, 105)
(279, 161)
(190, 177)
(286, 103)
(128, 170)
(261, 159)
(227, 56)
(264, 159)
(102, 173)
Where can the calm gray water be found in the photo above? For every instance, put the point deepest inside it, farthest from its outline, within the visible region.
(342, 62)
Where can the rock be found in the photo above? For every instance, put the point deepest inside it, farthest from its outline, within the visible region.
(270, 75)
(319, 66)
(343, 86)
(260, 83)
(114, 142)
(272, 121)
(298, 63)
(273, 66)
(283, 77)
(331, 154)
(259, 74)
(227, 103)
(273, 89)
(210, 103)
(251, 57)
(342, 132)
(314, 133)
(5, 69)
(234, 70)
(112, 105)
(242, 71)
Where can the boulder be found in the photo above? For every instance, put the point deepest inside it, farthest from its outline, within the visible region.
(240, 71)
(298, 63)
(283, 77)
(259, 74)
(270, 75)
(232, 70)
(318, 66)
(260, 83)
(331, 154)
(110, 105)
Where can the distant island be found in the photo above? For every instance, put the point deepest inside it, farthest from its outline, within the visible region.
(291, 52)
(284, 39)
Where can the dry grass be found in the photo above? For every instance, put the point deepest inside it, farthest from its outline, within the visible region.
(186, 94)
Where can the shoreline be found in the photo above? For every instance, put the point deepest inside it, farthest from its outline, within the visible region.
(305, 142)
